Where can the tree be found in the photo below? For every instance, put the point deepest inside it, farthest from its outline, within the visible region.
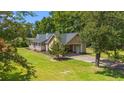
(57, 48)
(67, 22)
(45, 25)
(25, 32)
(13, 24)
(11, 27)
(63, 22)
(102, 29)
(9, 57)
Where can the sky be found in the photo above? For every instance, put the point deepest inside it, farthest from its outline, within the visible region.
(40, 15)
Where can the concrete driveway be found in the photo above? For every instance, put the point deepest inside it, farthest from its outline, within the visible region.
(86, 58)
(103, 61)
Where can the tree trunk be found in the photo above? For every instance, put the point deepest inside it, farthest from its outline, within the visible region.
(97, 59)
(115, 53)
(58, 57)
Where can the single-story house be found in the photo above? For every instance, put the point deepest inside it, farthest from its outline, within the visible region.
(43, 42)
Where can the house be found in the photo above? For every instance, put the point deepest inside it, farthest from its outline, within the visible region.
(43, 42)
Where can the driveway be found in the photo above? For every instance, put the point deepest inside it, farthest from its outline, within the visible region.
(86, 58)
(103, 61)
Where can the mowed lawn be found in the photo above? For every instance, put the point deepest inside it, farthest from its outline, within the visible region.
(49, 69)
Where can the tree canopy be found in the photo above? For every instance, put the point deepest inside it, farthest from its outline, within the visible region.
(12, 26)
(104, 31)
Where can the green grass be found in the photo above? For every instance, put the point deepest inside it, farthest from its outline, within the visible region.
(91, 52)
(49, 69)
(103, 55)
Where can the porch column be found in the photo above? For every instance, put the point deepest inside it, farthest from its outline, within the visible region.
(46, 48)
(81, 48)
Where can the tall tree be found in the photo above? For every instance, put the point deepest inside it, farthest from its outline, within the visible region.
(11, 27)
(63, 22)
(66, 22)
(12, 24)
(102, 30)
(45, 25)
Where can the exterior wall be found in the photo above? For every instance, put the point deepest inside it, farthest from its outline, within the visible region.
(51, 42)
(40, 47)
(43, 48)
(37, 47)
(31, 46)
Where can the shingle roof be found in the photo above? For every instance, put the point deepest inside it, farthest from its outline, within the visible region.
(40, 38)
(65, 38)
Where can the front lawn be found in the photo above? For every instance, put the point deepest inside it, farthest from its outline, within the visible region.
(49, 69)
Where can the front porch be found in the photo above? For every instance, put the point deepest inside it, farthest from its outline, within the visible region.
(76, 48)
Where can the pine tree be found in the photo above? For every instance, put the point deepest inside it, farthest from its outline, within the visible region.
(58, 49)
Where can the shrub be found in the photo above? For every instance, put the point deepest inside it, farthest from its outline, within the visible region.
(20, 42)
(58, 50)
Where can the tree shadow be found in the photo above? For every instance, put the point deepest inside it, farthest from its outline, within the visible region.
(72, 54)
(62, 59)
(18, 76)
(87, 53)
(113, 69)
(116, 73)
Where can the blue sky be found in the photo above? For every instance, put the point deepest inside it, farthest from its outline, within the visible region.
(40, 15)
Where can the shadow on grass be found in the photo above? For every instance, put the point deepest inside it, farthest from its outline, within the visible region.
(15, 77)
(62, 59)
(113, 69)
(116, 73)
(75, 54)
(87, 54)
